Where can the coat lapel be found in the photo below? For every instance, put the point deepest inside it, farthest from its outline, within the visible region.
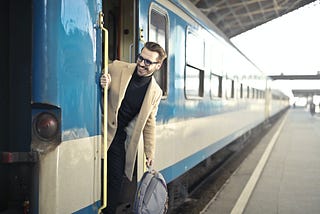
(149, 100)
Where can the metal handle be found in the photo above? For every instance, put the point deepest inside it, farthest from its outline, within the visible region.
(105, 106)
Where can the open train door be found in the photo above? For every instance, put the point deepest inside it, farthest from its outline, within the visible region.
(130, 24)
(119, 18)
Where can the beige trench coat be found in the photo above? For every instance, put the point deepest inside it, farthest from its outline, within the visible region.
(145, 122)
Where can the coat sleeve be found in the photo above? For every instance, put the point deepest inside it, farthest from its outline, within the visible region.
(149, 131)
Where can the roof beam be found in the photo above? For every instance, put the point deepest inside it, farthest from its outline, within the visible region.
(305, 92)
(295, 77)
(237, 16)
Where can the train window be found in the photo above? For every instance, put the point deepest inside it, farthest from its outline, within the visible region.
(158, 29)
(241, 90)
(232, 89)
(244, 89)
(237, 89)
(253, 93)
(194, 82)
(194, 71)
(195, 51)
(228, 86)
(262, 94)
(215, 86)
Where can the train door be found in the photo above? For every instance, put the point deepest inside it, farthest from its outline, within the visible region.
(130, 24)
(119, 19)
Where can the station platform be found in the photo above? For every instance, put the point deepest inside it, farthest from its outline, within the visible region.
(281, 175)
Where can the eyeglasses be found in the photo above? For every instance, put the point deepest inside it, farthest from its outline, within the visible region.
(146, 61)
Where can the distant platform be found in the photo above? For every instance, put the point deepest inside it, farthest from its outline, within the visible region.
(281, 175)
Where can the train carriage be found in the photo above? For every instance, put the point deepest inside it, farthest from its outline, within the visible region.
(51, 136)
(54, 53)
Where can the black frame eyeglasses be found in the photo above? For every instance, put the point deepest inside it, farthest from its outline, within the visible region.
(146, 61)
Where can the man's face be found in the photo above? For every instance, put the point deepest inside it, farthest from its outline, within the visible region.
(147, 57)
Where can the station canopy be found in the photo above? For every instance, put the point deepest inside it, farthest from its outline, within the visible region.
(234, 17)
(305, 92)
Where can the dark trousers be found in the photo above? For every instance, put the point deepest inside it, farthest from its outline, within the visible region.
(116, 162)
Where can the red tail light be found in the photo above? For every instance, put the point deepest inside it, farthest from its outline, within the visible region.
(46, 126)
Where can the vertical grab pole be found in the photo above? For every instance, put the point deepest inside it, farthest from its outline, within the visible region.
(105, 111)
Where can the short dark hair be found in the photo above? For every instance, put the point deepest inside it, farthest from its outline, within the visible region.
(152, 46)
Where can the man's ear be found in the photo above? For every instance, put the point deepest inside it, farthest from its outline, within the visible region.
(159, 66)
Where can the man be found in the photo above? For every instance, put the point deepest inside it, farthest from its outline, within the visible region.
(133, 99)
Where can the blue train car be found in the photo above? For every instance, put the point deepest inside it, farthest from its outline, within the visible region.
(53, 56)
(51, 128)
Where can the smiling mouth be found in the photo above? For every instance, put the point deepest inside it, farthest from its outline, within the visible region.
(142, 68)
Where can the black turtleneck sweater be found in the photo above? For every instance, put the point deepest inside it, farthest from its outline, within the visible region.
(133, 99)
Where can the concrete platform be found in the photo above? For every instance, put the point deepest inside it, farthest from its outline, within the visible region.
(281, 175)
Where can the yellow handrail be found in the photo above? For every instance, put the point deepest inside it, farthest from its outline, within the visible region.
(105, 111)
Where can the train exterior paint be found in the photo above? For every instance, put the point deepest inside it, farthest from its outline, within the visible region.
(67, 66)
(51, 160)
(63, 107)
(192, 129)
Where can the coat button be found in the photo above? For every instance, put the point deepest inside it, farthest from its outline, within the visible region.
(113, 123)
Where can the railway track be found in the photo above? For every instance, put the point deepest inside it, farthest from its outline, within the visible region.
(223, 164)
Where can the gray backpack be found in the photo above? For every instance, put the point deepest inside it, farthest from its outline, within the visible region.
(151, 195)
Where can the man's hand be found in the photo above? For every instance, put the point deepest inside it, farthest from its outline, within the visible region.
(105, 80)
(149, 162)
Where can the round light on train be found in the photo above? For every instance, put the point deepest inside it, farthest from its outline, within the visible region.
(46, 126)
